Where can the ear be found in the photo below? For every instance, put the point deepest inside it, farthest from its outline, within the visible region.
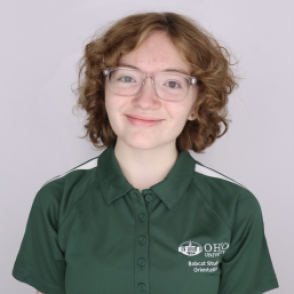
(192, 116)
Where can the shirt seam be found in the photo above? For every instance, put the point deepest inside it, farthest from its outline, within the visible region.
(212, 209)
(75, 204)
(37, 277)
(184, 191)
(69, 171)
(233, 181)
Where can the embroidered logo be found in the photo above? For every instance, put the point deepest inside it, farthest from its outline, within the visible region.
(190, 248)
(213, 250)
(207, 266)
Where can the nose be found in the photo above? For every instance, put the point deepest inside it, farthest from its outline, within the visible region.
(147, 97)
(148, 83)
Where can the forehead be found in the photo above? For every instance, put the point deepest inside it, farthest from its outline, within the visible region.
(156, 53)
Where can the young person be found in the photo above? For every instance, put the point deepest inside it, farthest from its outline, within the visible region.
(144, 216)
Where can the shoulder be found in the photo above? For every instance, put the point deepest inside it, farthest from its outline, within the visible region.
(60, 193)
(212, 176)
(79, 171)
(228, 198)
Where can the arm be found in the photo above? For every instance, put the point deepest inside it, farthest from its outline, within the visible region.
(39, 292)
(41, 261)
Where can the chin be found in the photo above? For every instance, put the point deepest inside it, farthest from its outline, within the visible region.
(144, 142)
(140, 143)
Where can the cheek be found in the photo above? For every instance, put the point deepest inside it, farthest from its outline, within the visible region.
(178, 112)
(115, 107)
(110, 102)
(111, 111)
(108, 108)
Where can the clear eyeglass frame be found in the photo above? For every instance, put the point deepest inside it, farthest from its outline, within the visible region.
(107, 71)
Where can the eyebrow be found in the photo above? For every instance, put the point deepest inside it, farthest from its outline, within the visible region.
(167, 69)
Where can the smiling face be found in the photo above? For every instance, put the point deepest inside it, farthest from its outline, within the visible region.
(156, 53)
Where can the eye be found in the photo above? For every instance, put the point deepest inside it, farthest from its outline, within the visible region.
(126, 79)
(173, 84)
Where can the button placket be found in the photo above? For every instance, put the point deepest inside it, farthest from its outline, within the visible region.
(141, 244)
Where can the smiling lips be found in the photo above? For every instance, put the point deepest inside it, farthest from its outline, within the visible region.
(143, 122)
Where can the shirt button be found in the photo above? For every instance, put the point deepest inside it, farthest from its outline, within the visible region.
(141, 287)
(142, 239)
(142, 217)
(141, 262)
(148, 197)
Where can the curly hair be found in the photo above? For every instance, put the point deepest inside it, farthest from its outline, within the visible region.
(209, 61)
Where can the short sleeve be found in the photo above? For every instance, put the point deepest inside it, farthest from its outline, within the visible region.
(40, 261)
(246, 267)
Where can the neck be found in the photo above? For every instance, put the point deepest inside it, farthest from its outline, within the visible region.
(144, 168)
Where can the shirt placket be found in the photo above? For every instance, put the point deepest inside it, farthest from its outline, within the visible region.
(142, 241)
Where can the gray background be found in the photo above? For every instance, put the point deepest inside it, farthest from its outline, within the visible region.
(41, 42)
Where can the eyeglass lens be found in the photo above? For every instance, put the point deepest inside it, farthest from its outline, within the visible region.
(169, 85)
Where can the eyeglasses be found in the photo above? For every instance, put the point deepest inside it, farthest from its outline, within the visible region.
(170, 86)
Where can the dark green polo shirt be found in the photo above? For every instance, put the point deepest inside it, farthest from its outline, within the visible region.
(90, 231)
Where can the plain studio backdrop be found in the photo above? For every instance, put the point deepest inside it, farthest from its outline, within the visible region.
(41, 43)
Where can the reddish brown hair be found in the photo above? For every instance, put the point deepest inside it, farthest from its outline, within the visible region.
(209, 61)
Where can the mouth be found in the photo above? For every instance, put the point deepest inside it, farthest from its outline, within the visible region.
(143, 122)
(146, 118)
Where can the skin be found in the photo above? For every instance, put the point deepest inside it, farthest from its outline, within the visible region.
(146, 154)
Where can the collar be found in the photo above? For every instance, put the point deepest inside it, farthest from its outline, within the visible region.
(114, 184)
